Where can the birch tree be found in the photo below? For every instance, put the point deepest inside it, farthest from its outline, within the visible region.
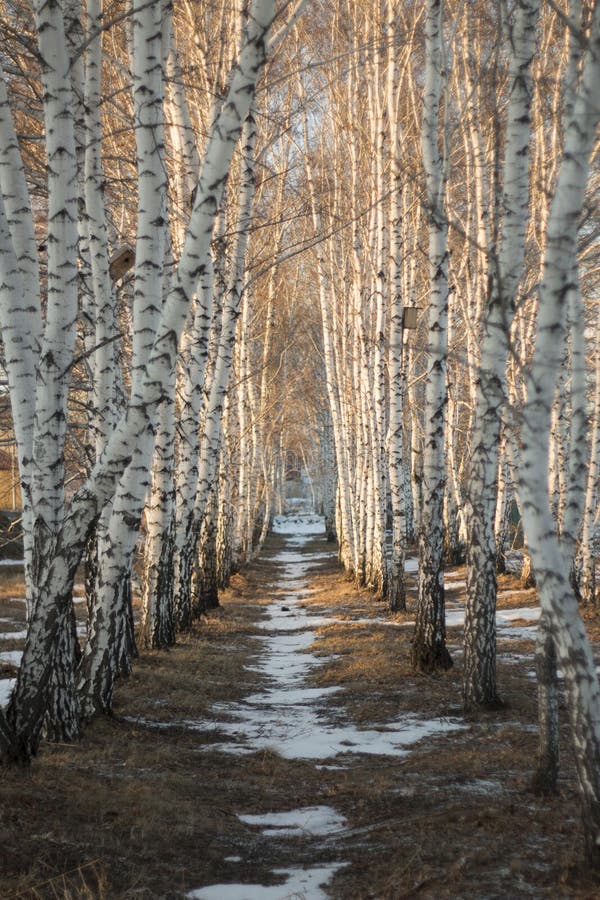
(552, 568)
(60, 531)
(429, 643)
(479, 685)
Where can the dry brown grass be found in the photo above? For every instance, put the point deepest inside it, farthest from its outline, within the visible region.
(11, 582)
(145, 807)
(86, 882)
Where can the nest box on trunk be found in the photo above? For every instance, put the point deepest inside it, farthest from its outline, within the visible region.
(121, 262)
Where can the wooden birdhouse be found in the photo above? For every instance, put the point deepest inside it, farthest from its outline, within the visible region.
(121, 262)
(409, 317)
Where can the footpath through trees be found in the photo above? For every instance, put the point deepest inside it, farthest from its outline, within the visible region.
(286, 745)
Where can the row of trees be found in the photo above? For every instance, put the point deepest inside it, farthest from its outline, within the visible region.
(466, 182)
(309, 180)
(109, 361)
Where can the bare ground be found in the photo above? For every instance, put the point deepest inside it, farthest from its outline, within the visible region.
(145, 806)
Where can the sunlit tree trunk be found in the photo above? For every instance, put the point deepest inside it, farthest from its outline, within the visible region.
(193, 370)
(107, 630)
(479, 680)
(158, 617)
(158, 614)
(429, 643)
(224, 552)
(395, 439)
(552, 569)
(502, 523)
(50, 396)
(589, 548)
(20, 310)
(329, 475)
(225, 344)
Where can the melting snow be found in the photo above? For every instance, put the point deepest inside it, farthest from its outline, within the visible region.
(13, 657)
(315, 820)
(455, 617)
(291, 718)
(13, 636)
(300, 883)
(6, 686)
(300, 524)
(301, 732)
(525, 613)
(504, 621)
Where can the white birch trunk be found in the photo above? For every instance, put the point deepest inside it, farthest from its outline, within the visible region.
(479, 678)
(158, 617)
(56, 665)
(589, 548)
(577, 429)
(20, 309)
(107, 628)
(211, 437)
(195, 360)
(225, 512)
(205, 592)
(429, 643)
(552, 569)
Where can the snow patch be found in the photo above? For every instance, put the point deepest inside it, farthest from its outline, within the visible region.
(455, 617)
(12, 562)
(12, 657)
(525, 614)
(504, 620)
(6, 687)
(294, 619)
(293, 719)
(314, 820)
(302, 523)
(305, 883)
(302, 732)
(13, 636)
(290, 697)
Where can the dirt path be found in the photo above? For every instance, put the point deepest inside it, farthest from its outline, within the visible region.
(295, 719)
(390, 792)
(286, 749)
